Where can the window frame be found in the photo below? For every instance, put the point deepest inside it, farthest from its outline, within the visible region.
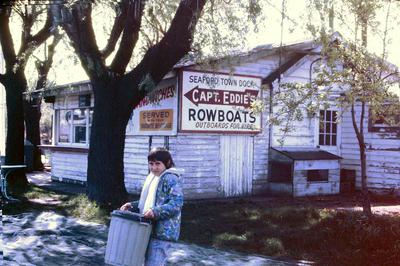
(379, 126)
(331, 134)
(71, 141)
(325, 176)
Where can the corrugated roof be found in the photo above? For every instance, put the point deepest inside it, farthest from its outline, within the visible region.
(306, 154)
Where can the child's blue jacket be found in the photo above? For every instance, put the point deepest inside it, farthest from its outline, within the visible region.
(168, 206)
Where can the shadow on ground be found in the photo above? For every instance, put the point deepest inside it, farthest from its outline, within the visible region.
(47, 238)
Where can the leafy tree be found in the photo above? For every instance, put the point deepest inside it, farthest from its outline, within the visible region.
(364, 80)
(116, 89)
(117, 92)
(14, 79)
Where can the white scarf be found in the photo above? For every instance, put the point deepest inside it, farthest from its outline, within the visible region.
(148, 194)
(149, 191)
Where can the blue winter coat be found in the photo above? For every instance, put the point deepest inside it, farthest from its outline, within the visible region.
(168, 206)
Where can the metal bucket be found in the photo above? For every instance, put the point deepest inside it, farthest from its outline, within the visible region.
(128, 237)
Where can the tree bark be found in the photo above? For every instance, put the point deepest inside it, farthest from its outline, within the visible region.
(105, 176)
(15, 85)
(366, 202)
(32, 129)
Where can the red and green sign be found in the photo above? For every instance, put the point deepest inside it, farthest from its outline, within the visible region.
(214, 102)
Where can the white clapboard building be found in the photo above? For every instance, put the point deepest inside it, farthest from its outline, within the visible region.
(202, 116)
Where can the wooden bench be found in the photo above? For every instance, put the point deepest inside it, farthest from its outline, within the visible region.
(5, 171)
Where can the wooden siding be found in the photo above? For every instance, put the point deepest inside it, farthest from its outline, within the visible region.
(199, 156)
(316, 164)
(135, 162)
(383, 155)
(301, 187)
(261, 152)
(236, 168)
(260, 158)
(69, 165)
(304, 135)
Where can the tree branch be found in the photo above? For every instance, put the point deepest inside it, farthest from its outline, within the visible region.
(44, 33)
(77, 23)
(29, 42)
(6, 40)
(129, 36)
(116, 31)
(27, 22)
(2, 78)
(43, 67)
(163, 56)
(391, 74)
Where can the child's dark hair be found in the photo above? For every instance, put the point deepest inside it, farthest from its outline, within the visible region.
(161, 154)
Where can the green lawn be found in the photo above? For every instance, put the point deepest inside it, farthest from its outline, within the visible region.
(291, 229)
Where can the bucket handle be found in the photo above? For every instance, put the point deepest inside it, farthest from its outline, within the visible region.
(144, 221)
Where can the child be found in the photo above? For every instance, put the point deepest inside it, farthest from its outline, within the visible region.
(161, 200)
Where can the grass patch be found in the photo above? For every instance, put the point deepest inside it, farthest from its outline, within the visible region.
(298, 232)
(81, 207)
(78, 206)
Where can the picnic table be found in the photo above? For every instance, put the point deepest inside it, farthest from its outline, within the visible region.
(5, 171)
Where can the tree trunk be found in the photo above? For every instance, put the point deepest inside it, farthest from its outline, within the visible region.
(32, 123)
(105, 175)
(15, 85)
(366, 202)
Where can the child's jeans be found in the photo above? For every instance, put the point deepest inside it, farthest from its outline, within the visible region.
(157, 252)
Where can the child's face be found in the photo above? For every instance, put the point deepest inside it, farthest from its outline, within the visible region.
(156, 167)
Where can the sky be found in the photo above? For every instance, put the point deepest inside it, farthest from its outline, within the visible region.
(66, 71)
(293, 31)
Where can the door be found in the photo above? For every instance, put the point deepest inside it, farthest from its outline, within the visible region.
(236, 165)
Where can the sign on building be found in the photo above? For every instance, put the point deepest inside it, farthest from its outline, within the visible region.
(156, 114)
(219, 103)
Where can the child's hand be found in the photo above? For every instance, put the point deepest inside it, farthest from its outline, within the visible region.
(126, 206)
(149, 214)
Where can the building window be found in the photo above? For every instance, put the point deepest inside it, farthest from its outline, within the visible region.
(327, 127)
(74, 125)
(317, 175)
(381, 123)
